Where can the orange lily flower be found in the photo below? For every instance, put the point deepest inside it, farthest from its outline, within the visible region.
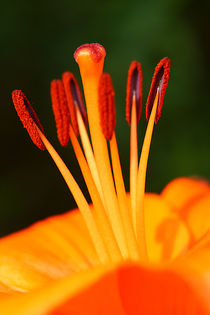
(140, 253)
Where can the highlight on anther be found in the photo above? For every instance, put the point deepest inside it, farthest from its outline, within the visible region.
(61, 111)
(134, 86)
(159, 81)
(106, 105)
(74, 98)
(28, 117)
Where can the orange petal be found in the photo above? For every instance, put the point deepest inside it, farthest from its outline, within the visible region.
(197, 216)
(48, 250)
(182, 191)
(83, 293)
(129, 289)
(142, 291)
(166, 235)
(194, 267)
(101, 297)
(190, 198)
(159, 292)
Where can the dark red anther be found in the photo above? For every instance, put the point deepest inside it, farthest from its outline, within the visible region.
(106, 105)
(28, 117)
(74, 98)
(61, 111)
(159, 81)
(134, 86)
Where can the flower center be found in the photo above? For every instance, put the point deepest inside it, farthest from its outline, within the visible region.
(115, 223)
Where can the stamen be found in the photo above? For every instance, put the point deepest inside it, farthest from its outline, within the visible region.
(133, 113)
(91, 68)
(141, 178)
(134, 87)
(28, 117)
(159, 81)
(115, 225)
(80, 200)
(106, 105)
(99, 211)
(133, 157)
(74, 99)
(79, 121)
(31, 123)
(60, 110)
(107, 118)
(89, 152)
(123, 200)
(153, 110)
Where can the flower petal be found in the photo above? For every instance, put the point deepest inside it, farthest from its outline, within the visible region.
(142, 290)
(182, 191)
(50, 249)
(159, 292)
(197, 216)
(166, 235)
(85, 293)
(191, 199)
(127, 289)
(194, 267)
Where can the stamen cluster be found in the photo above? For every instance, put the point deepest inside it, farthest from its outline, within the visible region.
(116, 225)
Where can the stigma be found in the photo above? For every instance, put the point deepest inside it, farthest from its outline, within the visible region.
(116, 225)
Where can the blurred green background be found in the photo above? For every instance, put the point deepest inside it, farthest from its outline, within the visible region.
(38, 39)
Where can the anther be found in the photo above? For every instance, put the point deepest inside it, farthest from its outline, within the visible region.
(159, 82)
(60, 110)
(106, 105)
(134, 87)
(74, 98)
(28, 117)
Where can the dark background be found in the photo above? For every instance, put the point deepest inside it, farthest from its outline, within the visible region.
(38, 39)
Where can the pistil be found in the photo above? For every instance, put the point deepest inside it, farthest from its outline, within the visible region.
(90, 59)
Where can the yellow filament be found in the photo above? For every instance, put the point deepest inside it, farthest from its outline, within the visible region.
(99, 211)
(133, 158)
(141, 178)
(80, 200)
(88, 152)
(90, 73)
(123, 200)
